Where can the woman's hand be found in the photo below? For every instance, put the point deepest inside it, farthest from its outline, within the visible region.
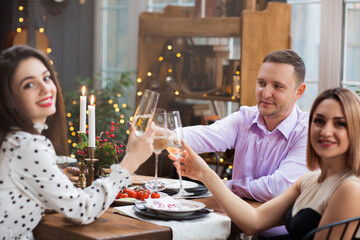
(138, 149)
(191, 164)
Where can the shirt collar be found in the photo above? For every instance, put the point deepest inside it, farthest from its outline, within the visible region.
(285, 127)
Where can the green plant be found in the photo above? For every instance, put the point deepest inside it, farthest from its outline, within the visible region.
(110, 104)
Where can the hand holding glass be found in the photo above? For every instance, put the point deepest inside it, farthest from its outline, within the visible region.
(145, 111)
(159, 144)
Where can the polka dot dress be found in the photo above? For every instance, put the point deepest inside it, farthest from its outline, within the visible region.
(30, 182)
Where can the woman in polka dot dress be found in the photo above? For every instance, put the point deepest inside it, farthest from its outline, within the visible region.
(32, 134)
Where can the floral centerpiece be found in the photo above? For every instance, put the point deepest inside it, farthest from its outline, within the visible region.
(108, 150)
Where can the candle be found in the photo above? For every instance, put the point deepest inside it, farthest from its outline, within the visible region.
(82, 122)
(203, 8)
(91, 109)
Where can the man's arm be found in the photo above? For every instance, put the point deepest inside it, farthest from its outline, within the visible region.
(267, 187)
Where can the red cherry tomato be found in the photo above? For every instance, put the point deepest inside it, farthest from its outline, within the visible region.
(124, 195)
(155, 195)
(118, 195)
(145, 196)
(132, 193)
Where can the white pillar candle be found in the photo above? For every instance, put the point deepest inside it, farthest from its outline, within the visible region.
(82, 122)
(91, 109)
(202, 8)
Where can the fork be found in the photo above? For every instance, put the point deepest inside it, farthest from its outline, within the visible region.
(140, 205)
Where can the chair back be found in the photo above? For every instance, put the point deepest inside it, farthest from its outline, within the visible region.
(344, 224)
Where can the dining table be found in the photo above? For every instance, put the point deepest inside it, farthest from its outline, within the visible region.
(115, 226)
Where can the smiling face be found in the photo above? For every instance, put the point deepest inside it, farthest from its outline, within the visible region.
(33, 90)
(276, 92)
(328, 132)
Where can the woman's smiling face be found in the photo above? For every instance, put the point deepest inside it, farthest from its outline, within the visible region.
(329, 133)
(33, 90)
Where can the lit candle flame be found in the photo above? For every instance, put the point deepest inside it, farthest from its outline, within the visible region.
(92, 100)
(83, 90)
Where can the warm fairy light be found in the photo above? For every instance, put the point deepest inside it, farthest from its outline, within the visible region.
(110, 101)
(21, 8)
(124, 105)
(139, 80)
(149, 74)
(18, 30)
(71, 128)
(73, 155)
(48, 50)
(70, 123)
(74, 102)
(230, 167)
(139, 93)
(221, 160)
(169, 47)
(225, 178)
(117, 109)
(127, 132)
(131, 118)
(178, 55)
(68, 114)
(177, 92)
(69, 140)
(204, 95)
(233, 97)
(122, 116)
(51, 62)
(237, 72)
(41, 30)
(118, 94)
(170, 70)
(161, 58)
(122, 121)
(73, 133)
(116, 105)
(21, 19)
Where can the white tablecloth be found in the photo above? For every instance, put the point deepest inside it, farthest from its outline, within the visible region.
(212, 226)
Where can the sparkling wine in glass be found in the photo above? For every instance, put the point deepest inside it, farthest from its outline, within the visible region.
(159, 144)
(175, 147)
(145, 111)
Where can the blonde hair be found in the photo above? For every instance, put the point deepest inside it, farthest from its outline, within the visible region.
(350, 104)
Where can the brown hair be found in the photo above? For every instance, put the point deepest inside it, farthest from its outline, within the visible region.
(288, 56)
(350, 104)
(11, 117)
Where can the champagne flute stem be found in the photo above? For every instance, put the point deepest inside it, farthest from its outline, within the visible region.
(156, 171)
(180, 176)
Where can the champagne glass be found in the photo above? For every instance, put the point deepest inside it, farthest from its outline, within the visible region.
(159, 144)
(175, 147)
(145, 111)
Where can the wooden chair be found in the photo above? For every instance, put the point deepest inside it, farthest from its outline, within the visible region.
(329, 228)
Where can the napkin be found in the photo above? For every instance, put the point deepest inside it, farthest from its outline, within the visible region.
(212, 226)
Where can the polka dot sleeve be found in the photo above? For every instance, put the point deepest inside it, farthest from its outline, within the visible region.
(34, 170)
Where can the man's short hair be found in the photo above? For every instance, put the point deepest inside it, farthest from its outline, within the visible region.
(288, 56)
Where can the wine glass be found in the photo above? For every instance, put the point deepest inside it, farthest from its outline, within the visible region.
(175, 147)
(145, 111)
(159, 144)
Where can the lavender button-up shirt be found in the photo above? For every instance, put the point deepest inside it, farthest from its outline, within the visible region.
(265, 163)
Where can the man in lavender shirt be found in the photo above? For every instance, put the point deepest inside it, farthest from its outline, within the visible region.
(269, 139)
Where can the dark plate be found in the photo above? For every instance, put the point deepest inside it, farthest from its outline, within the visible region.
(199, 190)
(152, 214)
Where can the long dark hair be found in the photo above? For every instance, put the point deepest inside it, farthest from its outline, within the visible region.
(11, 117)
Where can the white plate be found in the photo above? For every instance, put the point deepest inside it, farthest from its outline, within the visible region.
(175, 184)
(187, 207)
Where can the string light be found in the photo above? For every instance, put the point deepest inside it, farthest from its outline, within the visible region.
(74, 102)
(18, 30)
(118, 94)
(73, 155)
(170, 70)
(21, 8)
(225, 178)
(127, 132)
(51, 62)
(122, 116)
(71, 128)
(169, 47)
(69, 141)
(230, 167)
(110, 101)
(21, 19)
(177, 92)
(73, 133)
(124, 105)
(149, 74)
(41, 30)
(161, 58)
(178, 55)
(131, 118)
(68, 115)
(70, 123)
(122, 121)
(117, 109)
(116, 105)
(139, 93)
(139, 80)
(48, 50)
(221, 160)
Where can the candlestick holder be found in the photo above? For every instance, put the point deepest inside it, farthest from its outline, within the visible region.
(81, 183)
(91, 160)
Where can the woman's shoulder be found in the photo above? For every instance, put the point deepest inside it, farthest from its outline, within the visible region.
(21, 139)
